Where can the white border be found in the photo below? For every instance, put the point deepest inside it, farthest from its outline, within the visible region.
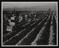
(25, 45)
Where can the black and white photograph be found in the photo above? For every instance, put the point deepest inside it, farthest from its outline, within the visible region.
(29, 24)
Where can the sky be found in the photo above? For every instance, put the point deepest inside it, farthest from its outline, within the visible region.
(29, 4)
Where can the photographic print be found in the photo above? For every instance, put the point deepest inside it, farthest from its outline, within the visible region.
(29, 24)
